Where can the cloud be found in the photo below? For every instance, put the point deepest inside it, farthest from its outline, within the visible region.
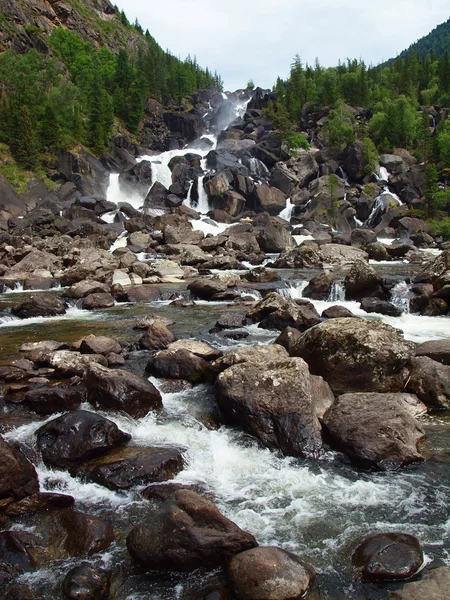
(245, 40)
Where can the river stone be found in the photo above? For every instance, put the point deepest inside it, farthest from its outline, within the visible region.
(375, 430)
(178, 364)
(76, 437)
(84, 288)
(156, 337)
(197, 347)
(97, 300)
(126, 467)
(13, 553)
(438, 350)
(206, 288)
(270, 198)
(434, 585)
(388, 556)
(272, 401)
(361, 281)
(430, 380)
(41, 501)
(67, 533)
(320, 286)
(302, 257)
(275, 238)
(336, 312)
(253, 354)
(300, 314)
(230, 321)
(99, 344)
(268, 573)
(261, 275)
(87, 582)
(383, 307)
(69, 364)
(288, 337)
(185, 533)
(37, 259)
(18, 477)
(354, 354)
(47, 400)
(39, 305)
(121, 390)
(44, 346)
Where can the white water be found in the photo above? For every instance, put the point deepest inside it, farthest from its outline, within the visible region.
(116, 195)
(286, 213)
(383, 174)
(72, 313)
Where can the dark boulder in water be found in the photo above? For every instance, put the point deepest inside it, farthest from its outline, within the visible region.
(46, 400)
(185, 533)
(39, 305)
(87, 582)
(18, 477)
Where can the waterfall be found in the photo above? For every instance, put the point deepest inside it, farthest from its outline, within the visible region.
(381, 204)
(383, 174)
(294, 289)
(401, 295)
(337, 292)
(286, 213)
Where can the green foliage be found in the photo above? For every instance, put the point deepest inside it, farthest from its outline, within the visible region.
(295, 140)
(339, 128)
(443, 144)
(440, 227)
(250, 84)
(370, 156)
(395, 123)
(431, 184)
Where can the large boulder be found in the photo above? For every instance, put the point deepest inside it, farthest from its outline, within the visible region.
(438, 350)
(375, 430)
(137, 179)
(46, 400)
(388, 557)
(87, 582)
(121, 390)
(18, 477)
(76, 437)
(39, 305)
(320, 286)
(126, 467)
(275, 238)
(99, 344)
(270, 199)
(206, 288)
(156, 337)
(357, 355)
(85, 288)
(274, 402)
(36, 259)
(430, 381)
(268, 573)
(178, 364)
(277, 312)
(433, 586)
(362, 281)
(185, 533)
(69, 364)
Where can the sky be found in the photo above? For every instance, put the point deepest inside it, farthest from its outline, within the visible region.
(258, 39)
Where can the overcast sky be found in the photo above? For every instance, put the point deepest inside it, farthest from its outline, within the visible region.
(258, 39)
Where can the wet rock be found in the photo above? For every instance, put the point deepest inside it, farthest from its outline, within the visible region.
(361, 238)
(339, 255)
(140, 294)
(261, 275)
(388, 556)
(47, 400)
(69, 364)
(121, 390)
(13, 553)
(430, 381)
(375, 430)
(206, 288)
(377, 251)
(178, 364)
(18, 477)
(156, 337)
(336, 312)
(197, 347)
(288, 337)
(251, 354)
(275, 238)
(438, 350)
(76, 437)
(87, 582)
(433, 586)
(184, 533)
(375, 305)
(84, 288)
(268, 573)
(98, 300)
(44, 346)
(39, 305)
(320, 286)
(353, 354)
(39, 502)
(362, 280)
(66, 533)
(278, 312)
(273, 402)
(230, 321)
(127, 467)
(99, 344)
(137, 179)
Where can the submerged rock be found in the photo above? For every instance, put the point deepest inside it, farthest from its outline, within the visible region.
(185, 533)
(87, 582)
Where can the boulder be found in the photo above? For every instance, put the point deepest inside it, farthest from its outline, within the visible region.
(261, 275)
(375, 430)
(87, 582)
(275, 238)
(288, 337)
(121, 390)
(99, 344)
(156, 337)
(197, 347)
(336, 312)
(39, 305)
(251, 354)
(178, 364)
(47, 400)
(69, 364)
(38, 502)
(361, 281)
(354, 354)
(352, 160)
(268, 573)
(85, 288)
(76, 437)
(137, 179)
(36, 259)
(18, 477)
(339, 255)
(430, 381)
(434, 585)
(270, 199)
(375, 305)
(299, 314)
(185, 533)
(98, 300)
(320, 286)
(206, 288)
(388, 557)
(438, 350)
(272, 401)
(127, 467)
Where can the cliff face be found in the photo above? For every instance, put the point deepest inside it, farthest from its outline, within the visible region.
(25, 24)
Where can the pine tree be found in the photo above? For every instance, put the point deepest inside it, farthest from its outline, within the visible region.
(23, 137)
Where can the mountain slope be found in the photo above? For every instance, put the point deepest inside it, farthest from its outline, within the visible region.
(437, 41)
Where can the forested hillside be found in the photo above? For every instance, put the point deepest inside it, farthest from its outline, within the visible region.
(436, 42)
(75, 76)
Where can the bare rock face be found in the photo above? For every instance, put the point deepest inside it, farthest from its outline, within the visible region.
(121, 390)
(268, 573)
(433, 586)
(355, 355)
(388, 556)
(184, 533)
(76, 437)
(375, 430)
(274, 402)
(18, 477)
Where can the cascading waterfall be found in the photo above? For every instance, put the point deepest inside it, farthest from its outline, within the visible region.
(381, 204)
(286, 213)
(401, 295)
(337, 292)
